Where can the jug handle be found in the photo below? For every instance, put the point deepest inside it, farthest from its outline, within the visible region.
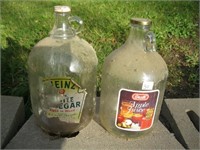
(149, 42)
(76, 24)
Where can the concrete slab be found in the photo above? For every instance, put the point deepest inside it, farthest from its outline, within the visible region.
(90, 138)
(183, 117)
(12, 117)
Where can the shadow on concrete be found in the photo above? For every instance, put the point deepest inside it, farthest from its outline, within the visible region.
(168, 121)
(194, 118)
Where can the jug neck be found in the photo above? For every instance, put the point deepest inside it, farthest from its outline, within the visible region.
(141, 37)
(137, 34)
(62, 28)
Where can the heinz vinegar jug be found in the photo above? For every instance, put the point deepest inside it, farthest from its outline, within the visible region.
(62, 77)
(133, 84)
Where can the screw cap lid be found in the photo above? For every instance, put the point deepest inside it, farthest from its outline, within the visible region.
(141, 21)
(62, 9)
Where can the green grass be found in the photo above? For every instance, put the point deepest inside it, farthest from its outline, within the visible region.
(175, 23)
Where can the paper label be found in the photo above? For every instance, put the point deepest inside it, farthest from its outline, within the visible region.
(136, 109)
(64, 99)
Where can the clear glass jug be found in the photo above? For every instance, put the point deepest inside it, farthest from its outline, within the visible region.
(133, 84)
(62, 77)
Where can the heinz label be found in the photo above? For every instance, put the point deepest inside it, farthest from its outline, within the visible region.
(136, 109)
(63, 98)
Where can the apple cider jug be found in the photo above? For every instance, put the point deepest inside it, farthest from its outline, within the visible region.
(133, 83)
(62, 77)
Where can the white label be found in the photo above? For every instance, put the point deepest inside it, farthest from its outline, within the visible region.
(147, 85)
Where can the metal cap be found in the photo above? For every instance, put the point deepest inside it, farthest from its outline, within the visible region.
(141, 21)
(62, 9)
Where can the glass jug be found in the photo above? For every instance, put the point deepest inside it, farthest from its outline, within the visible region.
(62, 77)
(133, 84)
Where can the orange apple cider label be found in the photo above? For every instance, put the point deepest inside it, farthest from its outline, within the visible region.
(136, 109)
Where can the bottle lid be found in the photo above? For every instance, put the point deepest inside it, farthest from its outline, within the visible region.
(62, 9)
(141, 21)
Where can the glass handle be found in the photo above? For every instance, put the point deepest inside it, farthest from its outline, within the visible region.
(76, 24)
(150, 42)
